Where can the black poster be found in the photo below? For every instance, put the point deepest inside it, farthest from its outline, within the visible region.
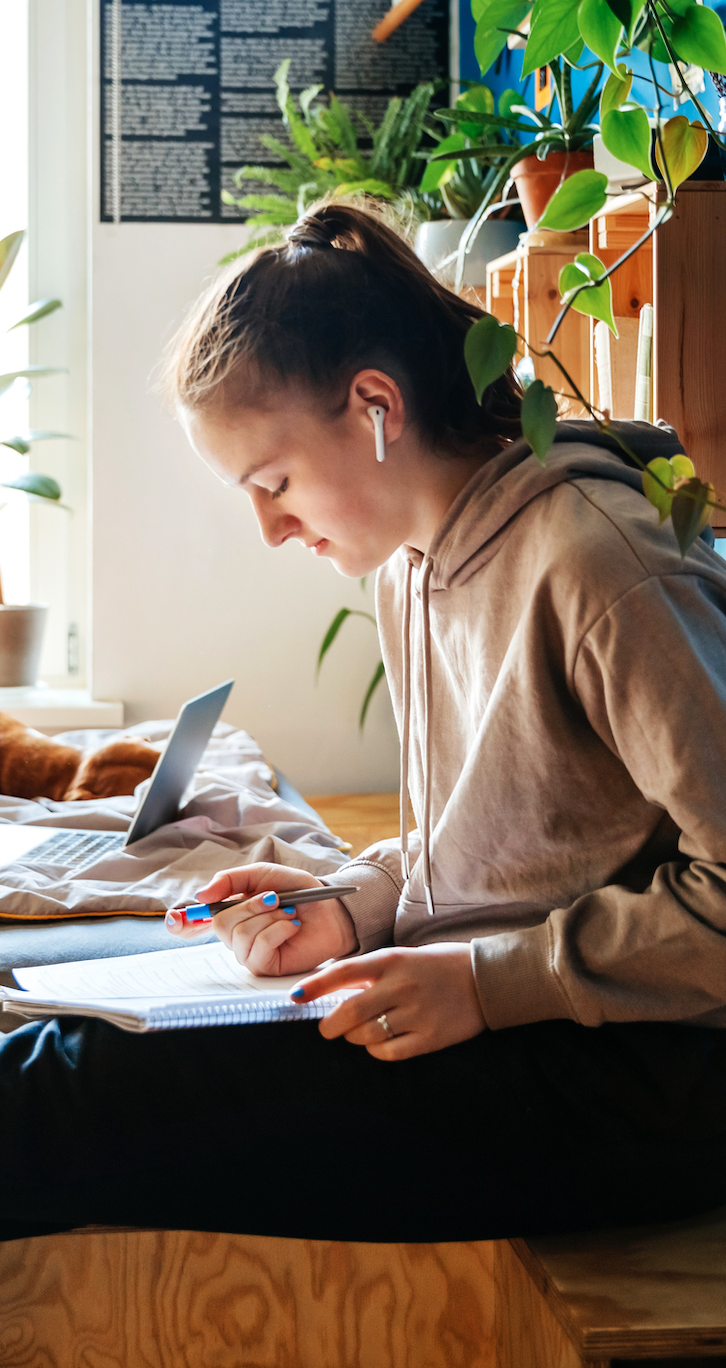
(187, 89)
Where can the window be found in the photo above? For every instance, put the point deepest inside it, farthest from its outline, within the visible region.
(43, 162)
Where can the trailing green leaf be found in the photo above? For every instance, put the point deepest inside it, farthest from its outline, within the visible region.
(626, 133)
(539, 418)
(575, 201)
(659, 479)
(600, 29)
(488, 350)
(684, 147)
(497, 19)
(554, 29)
(615, 90)
(690, 511)
(596, 301)
(698, 37)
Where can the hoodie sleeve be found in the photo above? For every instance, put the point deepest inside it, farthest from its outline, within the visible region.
(651, 676)
(377, 871)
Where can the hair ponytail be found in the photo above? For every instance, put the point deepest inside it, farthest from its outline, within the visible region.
(342, 294)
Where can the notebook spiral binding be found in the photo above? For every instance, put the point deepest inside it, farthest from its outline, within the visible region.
(225, 1014)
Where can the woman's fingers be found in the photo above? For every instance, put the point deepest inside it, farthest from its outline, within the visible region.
(249, 880)
(261, 956)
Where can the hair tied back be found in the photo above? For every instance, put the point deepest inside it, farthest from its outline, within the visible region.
(313, 232)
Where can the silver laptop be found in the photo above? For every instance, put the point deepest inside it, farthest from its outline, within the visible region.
(73, 850)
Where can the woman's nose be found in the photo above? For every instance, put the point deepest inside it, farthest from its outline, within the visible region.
(275, 524)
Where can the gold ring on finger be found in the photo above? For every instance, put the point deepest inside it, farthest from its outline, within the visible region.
(385, 1024)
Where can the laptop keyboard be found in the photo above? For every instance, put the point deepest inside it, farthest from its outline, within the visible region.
(74, 848)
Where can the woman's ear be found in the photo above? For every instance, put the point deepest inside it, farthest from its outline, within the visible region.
(374, 389)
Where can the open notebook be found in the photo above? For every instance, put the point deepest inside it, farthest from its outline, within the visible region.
(201, 985)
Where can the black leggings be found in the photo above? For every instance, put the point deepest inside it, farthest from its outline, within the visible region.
(273, 1130)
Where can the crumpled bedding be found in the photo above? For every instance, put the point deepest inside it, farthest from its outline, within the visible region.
(229, 816)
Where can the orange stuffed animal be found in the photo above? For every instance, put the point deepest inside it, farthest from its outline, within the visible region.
(36, 766)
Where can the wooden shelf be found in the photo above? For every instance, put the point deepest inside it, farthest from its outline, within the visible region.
(681, 272)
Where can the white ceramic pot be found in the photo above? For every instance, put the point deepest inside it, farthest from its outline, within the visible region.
(21, 639)
(436, 240)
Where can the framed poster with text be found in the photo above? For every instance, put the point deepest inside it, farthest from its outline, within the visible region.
(187, 89)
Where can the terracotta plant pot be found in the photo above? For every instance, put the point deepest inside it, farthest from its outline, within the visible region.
(537, 181)
(21, 639)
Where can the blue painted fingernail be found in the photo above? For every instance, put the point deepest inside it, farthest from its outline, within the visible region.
(295, 922)
(269, 899)
(298, 993)
(290, 911)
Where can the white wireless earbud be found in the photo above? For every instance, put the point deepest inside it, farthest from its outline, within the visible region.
(378, 415)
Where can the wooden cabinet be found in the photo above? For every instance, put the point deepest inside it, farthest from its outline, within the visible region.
(681, 271)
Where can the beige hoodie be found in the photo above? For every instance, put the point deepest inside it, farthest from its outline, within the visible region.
(567, 750)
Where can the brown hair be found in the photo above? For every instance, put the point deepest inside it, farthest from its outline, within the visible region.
(342, 294)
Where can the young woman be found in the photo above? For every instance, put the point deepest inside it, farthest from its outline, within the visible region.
(538, 1044)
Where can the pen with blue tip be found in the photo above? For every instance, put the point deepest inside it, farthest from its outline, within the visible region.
(202, 914)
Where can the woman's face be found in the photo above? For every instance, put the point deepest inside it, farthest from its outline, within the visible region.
(315, 478)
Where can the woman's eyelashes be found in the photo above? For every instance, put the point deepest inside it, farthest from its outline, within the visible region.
(282, 489)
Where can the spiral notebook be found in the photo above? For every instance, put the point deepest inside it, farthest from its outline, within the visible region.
(164, 990)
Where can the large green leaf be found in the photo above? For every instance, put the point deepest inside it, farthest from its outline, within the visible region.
(595, 300)
(335, 627)
(576, 201)
(698, 37)
(626, 133)
(554, 29)
(497, 19)
(601, 30)
(40, 309)
(539, 418)
(684, 146)
(615, 90)
(488, 350)
(30, 373)
(20, 442)
(40, 486)
(9, 248)
(627, 12)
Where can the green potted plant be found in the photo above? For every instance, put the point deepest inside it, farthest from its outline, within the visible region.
(462, 179)
(22, 625)
(556, 146)
(324, 158)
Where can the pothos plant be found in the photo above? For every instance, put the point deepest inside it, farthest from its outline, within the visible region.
(676, 32)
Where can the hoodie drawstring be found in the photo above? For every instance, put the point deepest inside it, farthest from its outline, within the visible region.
(406, 731)
(403, 788)
(426, 633)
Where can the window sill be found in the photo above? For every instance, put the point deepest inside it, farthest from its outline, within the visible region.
(59, 710)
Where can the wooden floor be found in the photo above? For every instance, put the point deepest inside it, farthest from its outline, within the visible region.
(360, 818)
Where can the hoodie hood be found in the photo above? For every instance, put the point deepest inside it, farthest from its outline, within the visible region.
(470, 535)
(479, 518)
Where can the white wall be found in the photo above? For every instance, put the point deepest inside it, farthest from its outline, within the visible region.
(184, 593)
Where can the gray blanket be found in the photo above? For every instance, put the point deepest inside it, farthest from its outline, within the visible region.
(231, 815)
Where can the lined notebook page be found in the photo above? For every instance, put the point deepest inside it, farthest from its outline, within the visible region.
(161, 976)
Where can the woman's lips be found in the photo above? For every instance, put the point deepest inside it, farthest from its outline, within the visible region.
(319, 548)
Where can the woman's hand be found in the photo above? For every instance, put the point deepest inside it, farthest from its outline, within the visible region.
(427, 996)
(266, 938)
